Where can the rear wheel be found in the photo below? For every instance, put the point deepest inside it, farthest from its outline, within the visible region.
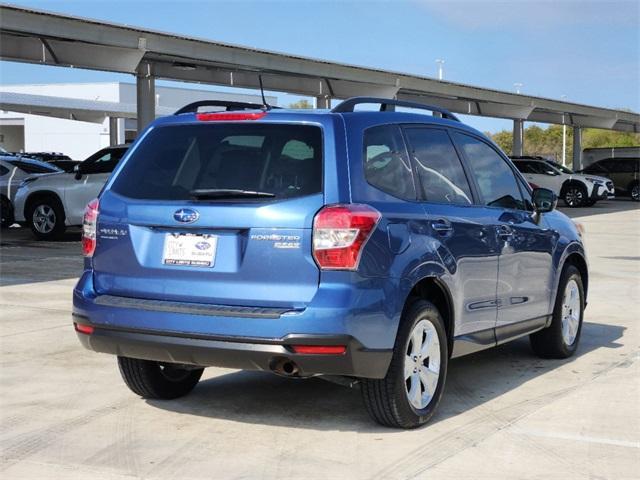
(45, 216)
(6, 212)
(410, 392)
(635, 192)
(163, 381)
(560, 339)
(575, 195)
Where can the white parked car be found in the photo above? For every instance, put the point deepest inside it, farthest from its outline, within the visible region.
(14, 169)
(575, 190)
(48, 204)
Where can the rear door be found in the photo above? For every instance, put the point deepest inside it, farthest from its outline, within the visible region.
(525, 246)
(216, 213)
(466, 242)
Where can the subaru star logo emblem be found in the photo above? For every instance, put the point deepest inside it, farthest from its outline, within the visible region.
(186, 215)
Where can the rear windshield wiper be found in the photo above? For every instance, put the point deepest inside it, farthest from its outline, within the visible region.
(225, 193)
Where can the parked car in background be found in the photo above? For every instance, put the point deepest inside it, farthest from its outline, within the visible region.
(609, 187)
(374, 245)
(58, 159)
(623, 172)
(575, 190)
(13, 171)
(50, 204)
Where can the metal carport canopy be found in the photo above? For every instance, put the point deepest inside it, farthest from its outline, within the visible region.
(34, 36)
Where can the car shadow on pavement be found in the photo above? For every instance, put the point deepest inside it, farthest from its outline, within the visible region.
(25, 260)
(601, 208)
(264, 398)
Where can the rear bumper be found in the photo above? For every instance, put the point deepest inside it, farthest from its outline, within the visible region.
(239, 353)
(363, 320)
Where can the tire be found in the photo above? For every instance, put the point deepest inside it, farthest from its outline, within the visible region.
(634, 192)
(557, 340)
(154, 380)
(574, 195)
(387, 400)
(6, 212)
(45, 216)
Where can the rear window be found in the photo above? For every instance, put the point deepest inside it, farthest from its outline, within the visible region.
(172, 161)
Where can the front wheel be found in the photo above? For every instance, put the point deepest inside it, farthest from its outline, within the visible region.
(408, 395)
(155, 380)
(46, 218)
(575, 196)
(560, 339)
(635, 192)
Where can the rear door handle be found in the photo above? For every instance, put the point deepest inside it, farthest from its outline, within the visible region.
(442, 226)
(505, 232)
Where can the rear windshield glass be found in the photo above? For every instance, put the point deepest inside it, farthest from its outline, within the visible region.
(172, 161)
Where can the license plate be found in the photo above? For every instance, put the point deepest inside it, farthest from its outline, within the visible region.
(189, 250)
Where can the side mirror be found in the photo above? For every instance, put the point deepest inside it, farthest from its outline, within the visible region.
(544, 200)
(78, 172)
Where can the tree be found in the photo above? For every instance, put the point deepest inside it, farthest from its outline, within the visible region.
(548, 141)
(301, 104)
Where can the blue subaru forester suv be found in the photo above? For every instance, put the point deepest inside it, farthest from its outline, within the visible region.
(370, 244)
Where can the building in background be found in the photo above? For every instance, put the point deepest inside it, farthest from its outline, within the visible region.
(33, 132)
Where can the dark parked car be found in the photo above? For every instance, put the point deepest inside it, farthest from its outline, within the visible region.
(624, 172)
(374, 245)
(55, 158)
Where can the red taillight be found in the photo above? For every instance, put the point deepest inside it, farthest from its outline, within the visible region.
(89, 226)
(86, 329)
(320, 349)
(229, 116)
(339, 234)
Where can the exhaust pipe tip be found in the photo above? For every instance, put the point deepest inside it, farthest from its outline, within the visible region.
(285, 367)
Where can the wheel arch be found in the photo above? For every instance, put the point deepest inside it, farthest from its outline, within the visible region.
(38, 195)
(576, 259)
(434, 290)
(572, 181)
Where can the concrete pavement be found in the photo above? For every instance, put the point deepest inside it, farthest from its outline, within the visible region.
(66, 414)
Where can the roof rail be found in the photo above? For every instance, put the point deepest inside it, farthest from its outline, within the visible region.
(387, 104)
(229, 106)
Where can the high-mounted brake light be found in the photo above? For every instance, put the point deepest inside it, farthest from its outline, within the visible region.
(89, 227)
(319, 349)
(229, 116)
(340, 233)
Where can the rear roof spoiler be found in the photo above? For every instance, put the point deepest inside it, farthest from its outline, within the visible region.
(388, 105)
(228, 106)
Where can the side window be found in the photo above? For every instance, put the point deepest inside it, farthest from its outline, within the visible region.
(386, 164)
(524, 167)
(104, 163)
(496, 180)
(440, 173)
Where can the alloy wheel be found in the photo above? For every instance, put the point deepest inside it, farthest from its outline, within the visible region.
(422, 364)
(44, 219)
(570, 312)
(574, 197)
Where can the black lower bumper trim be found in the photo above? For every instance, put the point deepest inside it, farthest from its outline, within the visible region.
(356, 362)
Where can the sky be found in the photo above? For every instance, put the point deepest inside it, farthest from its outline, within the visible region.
(586, 50)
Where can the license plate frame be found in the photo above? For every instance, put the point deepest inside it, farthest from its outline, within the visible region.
(189, 250)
